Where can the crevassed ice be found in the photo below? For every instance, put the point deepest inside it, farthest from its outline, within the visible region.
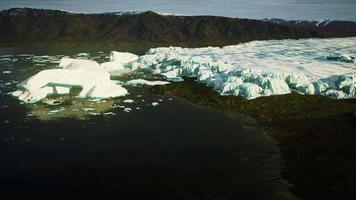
(263, 68)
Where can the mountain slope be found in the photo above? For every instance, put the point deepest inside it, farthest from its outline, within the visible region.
(31, 25)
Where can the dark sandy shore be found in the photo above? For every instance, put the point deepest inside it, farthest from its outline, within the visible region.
(317, 135)
(174, 151)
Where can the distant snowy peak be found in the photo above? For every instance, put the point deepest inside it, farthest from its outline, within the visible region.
(124, 13)
(309, 23)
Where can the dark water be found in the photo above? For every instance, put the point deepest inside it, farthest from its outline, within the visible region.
(173, 151)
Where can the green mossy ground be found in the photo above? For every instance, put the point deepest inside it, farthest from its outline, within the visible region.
(317, 135)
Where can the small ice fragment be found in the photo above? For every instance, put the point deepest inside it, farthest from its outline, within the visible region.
(127, 110)
(109, 113)
(51, 102)
(93, 113)
(56, 111)
(62, 138)
(160, 100)
(83, 54)
(138, 82)
(7, 122)
(155, 104)
(128, 101)
(138, 108)
(88, 109)
(6, 72)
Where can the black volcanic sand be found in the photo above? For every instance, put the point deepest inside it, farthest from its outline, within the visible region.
(174, 151)
(317, 135)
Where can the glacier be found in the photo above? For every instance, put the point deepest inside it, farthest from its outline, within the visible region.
(262, 68)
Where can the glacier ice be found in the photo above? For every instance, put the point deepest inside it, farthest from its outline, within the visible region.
(262, 68)
(253, 69)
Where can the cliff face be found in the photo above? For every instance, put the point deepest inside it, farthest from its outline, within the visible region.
(30, 25)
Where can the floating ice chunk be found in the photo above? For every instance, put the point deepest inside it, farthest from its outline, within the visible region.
(120, 63)
(56, 111)
(94, 113)
(155, 104)
(88, 109)
(109, 113)
(6, 72)
(83, 54)
(128, 101)
(127, 110)
(123, 57)
(137, 82)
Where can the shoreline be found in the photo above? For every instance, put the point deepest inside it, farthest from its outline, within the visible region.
(315, 135)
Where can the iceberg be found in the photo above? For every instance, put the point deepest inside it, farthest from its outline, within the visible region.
(120, 63)
(86, 74)
(123, 57)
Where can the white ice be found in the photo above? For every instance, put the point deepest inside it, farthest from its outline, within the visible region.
(94, 81)
(137, 82)
(263, 68)
(120, 63)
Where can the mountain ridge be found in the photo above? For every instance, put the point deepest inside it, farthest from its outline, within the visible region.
(35, 25)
